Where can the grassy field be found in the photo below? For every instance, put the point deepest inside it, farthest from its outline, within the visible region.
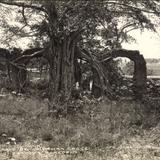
(122, 129)
(155, 67)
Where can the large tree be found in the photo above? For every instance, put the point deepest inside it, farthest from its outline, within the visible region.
(69, 30)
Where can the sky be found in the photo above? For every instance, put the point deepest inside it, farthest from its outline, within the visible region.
(148, 43)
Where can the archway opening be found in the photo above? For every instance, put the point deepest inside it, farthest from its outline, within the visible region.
(140, 70)
(126, 66)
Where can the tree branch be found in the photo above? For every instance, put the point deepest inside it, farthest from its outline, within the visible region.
(126, 26)
(26, 56)
(20, 4)
(132, 7)
(24, 17)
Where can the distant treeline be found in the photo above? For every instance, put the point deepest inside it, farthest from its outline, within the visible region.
(152, 60)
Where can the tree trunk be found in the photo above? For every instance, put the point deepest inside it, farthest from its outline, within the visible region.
(97, 90)
(61, 61)
(101, 84)
(18, 78)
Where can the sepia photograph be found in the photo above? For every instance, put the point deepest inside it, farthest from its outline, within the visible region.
(79, 79)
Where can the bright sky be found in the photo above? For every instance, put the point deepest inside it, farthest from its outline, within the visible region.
(148, 43)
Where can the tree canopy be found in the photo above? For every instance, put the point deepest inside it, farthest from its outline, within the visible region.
(115, 18)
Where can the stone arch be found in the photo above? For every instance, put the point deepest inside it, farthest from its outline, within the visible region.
(140, 70)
